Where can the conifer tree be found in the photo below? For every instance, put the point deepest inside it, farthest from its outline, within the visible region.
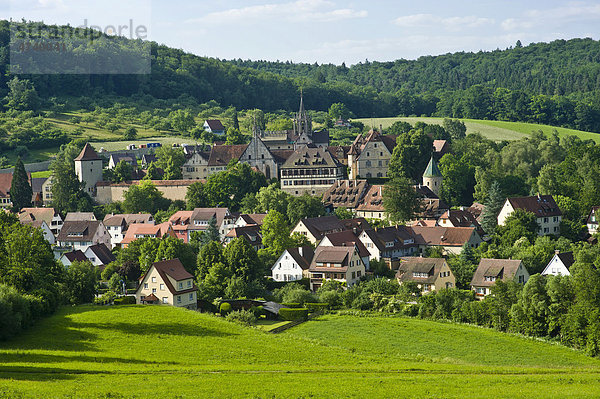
(493, 206)
(20, 189)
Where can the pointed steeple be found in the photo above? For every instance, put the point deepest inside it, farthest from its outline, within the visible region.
(87, 154)
(432, 169)
(301, 111)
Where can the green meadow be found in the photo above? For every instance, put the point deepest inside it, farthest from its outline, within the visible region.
(493, 130)
(148, 352)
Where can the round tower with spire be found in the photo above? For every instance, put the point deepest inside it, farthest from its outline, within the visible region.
(432, 177)
(88, 168)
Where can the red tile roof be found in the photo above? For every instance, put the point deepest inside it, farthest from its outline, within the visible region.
(87, 154)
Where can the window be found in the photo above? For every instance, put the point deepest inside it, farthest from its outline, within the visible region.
(146, 285)
(358, 273)
(180, 285)
(353, 275)
(191, 296)
(189, 284)
(522, 279)
(154, 279)
(162, 287)
(154, 290)
(545, 220)
(178, 298)
(165, 299)
(480, 291)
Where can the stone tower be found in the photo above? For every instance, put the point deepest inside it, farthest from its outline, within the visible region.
(432, 177)
(88, 168)
(302, 122)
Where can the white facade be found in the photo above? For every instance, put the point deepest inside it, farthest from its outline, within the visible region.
(286, 268)
(548, 225)
(89, 172)
(556, 267)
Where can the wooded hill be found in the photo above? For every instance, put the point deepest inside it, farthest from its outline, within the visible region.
(552, 83)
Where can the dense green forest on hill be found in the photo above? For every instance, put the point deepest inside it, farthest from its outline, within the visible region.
(549, 83)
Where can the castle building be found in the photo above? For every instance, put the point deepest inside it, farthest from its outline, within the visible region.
(88, 168)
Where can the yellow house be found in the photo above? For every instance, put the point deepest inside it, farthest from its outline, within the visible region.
(167, 282)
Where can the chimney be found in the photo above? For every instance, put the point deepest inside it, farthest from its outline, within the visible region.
(557, 251)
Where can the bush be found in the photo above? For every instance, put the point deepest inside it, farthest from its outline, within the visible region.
(125, 300)
(244, 317)
(105, 298)
(292, 314)
(316, 306)
(291, 304)
(18, 311)
(225, 309)
(257, 311)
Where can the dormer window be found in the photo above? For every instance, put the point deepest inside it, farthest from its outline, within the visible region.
(489, 278)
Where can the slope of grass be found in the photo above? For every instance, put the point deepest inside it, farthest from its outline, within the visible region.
(493, 130)
(134, 351)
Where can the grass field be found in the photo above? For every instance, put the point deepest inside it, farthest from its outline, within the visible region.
(133, 351)
(494, 130)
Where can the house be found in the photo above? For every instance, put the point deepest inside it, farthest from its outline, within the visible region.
(167, 282)
(214, 126)
(196, 165)
(82, 234)
(293, 264)
(48, 215)
(310, 170)
(37, 184)
(125, 157)
(430, 274)
(545, 209)
(147, 159)
(345, 194)
(341, 264)
(99, 255)
(143, 230)
(201, 217)
(440, 148)
(258, 156)
(249, 219)
(347, 238)
(316, 228)
(370, 156)
(251, 233)
(47, 192)
(221, 155)
(490, 270)
(43, 226)
(450, 239)
(80, 217)
(371, 205)
(459, 218)
(476, 209)
(340, 152)
(560, 264)
(117, 224)
(5, 183)
(389, 243)
(592, 220)
(180, 222)
(74, 256)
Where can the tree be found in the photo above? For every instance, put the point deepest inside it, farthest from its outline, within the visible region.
(338, 111)
(519, 223)
(400, 200)
(235, 121)
(144, 197)
(195, 196)
(152, 173)
(210, 254)
(234, 136)
(459, 180)
(275, 233)
(202, 238)
(173, 171)
(123, 171)
(305, 206)
(272, 198)
(170, 160)
(529, 315)
(67, 191)
(242, 260)
(181, 120)
(493, 205)
(20, 189)
(343, 213)
(411, 154)
(174, 248)
(455, 128)
(80, 283)
(130, 133)
(22, 95)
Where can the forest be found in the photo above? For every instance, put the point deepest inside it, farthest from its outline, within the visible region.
(552, 83)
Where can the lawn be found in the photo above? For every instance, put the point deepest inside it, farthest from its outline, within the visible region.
(494, 130)
(134, 351)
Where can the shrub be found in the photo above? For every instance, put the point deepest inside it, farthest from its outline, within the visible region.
(257, 311)
(291, 304)
(225, 308)
(105, 298)
(125, 300)
(316, 306)
(333, 299)
(292, 314)
(244, 317)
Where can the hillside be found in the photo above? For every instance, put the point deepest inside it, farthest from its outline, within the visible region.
(493, 130)
(161, 351)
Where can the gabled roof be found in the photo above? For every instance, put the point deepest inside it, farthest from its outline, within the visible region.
(253, 218)
(593, 212)
(460, 218)
(432, 169)
(5, 183)
(302, 255)
(540, 205)
(206, 214)
(75, 256)
(356, 224)
(320, 136)
(215, 124)
(129, 158)
(80, 216)
(501, 269)
(307, 157)
(335, 255)
(124, 219)
(410, 265)
(45, 214)
(348, 239)
(280, 156)
(391, 238)
(181, 218)
(425, 192)
(37, 183)
(149, 158)
(88, 154)
(103, 254)
(322, 225)
(35, 223)
(372, 200)
(442, 236)
(76, 231)
(221, 155)
(440, 146)
(566, 258)
(345, 193)
(251, 233)
(146, 229)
